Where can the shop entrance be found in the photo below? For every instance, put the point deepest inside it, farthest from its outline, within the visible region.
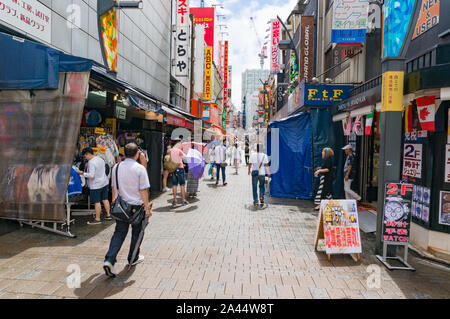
(369, 166)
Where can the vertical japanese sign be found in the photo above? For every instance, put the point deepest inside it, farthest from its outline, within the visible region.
(392, 91)
(207, 72)
(230, 76)
(109, 32)
(205, 17)
(397, 212)
(275, 59)
(340, 226)
(349, 21)
(225, 78)
(182, 39)
(412, 160)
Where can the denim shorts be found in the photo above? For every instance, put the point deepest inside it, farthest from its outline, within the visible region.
(98, 195)
(179, 177)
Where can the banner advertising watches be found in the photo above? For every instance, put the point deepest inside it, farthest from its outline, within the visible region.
(28, 16)
(349, 21)
(276, 36)
(397, 212)
(207, 81)
(182, 39)
(225, 77)
(412, 160)
(420, 205)
(338, 220)
(205, 17)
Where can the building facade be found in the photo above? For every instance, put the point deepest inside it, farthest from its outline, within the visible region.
(251, 80)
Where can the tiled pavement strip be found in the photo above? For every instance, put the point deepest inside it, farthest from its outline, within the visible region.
(217, 247)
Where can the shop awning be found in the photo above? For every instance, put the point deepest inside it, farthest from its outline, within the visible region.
(176, 119)
(135, 96)
(27, 65)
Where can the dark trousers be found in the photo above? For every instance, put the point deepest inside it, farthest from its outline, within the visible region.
(262, 189)
(247, 157)
(218, 168)
(120, 233)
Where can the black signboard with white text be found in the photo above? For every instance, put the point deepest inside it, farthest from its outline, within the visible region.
(397, 212)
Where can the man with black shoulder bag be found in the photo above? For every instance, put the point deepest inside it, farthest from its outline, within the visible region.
(131, 206)
(260, 163)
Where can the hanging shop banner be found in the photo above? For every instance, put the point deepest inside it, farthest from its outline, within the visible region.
(420, 206)
(447, 163)
(306, 48)
(207, 80)
(206, 111)
(275, 58)
(339, 226)
(182, 39)
(108, 33)
(230, 77)
(225, 78)
(428, 17)
(214, 115)
(412, 160)
(444, 208)
(349, 21)
(144, 104)
(205, 17)
(397, 212)
(174, 120)
(29, 16)
(392, 91)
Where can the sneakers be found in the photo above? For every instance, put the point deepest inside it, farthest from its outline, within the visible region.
(174, 203)
(109, 269)
(261, 201)
(225, 183)
(255, 204)
(185, 203)
(166, 189)
(108, 218)
(94, 222)
(138, 261)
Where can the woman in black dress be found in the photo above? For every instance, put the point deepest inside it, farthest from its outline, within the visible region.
(326, 177)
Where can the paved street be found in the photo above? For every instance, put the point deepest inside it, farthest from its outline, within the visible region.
(218, 247)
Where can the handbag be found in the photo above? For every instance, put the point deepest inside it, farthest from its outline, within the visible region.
(255, 172)
(121, 210)
(169, 164)
(223, 164)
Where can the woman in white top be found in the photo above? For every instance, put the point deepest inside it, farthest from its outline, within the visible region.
(237, 157)
(212, 161)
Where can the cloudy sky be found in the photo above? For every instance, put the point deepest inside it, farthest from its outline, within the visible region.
(243, 44)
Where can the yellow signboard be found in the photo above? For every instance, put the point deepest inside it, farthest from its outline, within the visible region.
(208, 65)
(99, 130)
(392, 91)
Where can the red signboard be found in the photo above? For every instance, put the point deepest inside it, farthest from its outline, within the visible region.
(214, 115)
(276, 37)
(205, 16)
(225, 74)
(174, 120)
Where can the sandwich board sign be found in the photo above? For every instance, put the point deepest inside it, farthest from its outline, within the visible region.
(339, 227)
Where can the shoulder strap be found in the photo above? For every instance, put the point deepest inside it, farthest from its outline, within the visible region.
(117, 177)
(262, 160)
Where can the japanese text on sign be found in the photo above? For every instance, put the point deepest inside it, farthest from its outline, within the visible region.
(225, 78)
(412, 160)
(276, 36)
(182, 39)
(397, 212)
(392, 91)
(29, 16)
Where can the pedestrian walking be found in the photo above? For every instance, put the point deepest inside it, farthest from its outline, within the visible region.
(220, 162)
(166, 173)
(131, 182)
(260, 164)
(237, 157)
(212, 161)
(349, 173)
(247, 153)
(179, 176)
(326, 173)
(192, 182)
(97, 180)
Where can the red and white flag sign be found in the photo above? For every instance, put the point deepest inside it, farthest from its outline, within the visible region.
(426, 109)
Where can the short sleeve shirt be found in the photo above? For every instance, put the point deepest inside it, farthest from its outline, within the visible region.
(132, 179)
(257, 160)
(177, 155)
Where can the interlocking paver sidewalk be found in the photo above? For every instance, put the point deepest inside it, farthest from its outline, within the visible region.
(217, 247)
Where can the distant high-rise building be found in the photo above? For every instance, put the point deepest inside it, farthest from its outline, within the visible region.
(251, 106)
(251, 80)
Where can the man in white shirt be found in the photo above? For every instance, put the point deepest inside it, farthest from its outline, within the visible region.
(98, 184)
(260, 163)
(220, 161)
(133, 188)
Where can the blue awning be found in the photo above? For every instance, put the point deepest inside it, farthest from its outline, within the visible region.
(27, 65)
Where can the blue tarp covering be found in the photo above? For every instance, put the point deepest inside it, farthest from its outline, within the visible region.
(27, 65)
(292, 176)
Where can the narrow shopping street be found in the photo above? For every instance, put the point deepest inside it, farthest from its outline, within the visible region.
(217, 247)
